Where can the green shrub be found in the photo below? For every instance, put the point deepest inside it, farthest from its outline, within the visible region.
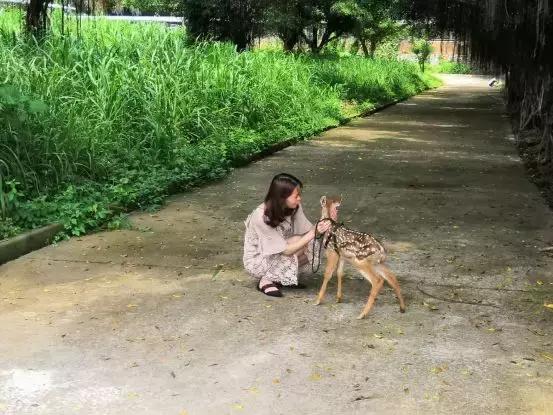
(123, 115)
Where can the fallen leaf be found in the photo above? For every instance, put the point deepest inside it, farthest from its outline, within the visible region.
(378, 336)
(315, 377)
(183, 413)
(276, 381)
(131, 305)
(547, 356)
(430, 306)
(217, 271)
(539, 282)
(438, 369)
(238, 406)
(550, 305)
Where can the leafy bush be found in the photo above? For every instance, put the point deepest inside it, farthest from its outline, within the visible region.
(452, 67)
(126, 114)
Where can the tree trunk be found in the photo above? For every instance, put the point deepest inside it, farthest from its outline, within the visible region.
(36, 18)
(289, 42)
(364, 47)
(242, 42)
(324, 39)
(372, 50)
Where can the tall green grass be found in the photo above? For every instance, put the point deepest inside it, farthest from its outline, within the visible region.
(451, 67)
(123, 114)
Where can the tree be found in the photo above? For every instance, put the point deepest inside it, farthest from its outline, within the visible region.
(329, 20)
(422, 48)
(36, 18)
(149, 7)
(287, 19)
(377, 20)
(514, 38)
(313, 22)
(237, 21)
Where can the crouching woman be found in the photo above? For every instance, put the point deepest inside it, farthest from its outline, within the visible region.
(277, 247)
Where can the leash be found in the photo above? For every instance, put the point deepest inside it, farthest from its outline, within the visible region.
(320, 246)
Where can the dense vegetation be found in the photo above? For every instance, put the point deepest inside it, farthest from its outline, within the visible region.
(123, 114)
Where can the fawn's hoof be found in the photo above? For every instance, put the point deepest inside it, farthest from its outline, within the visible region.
(402, 309)
(338, 299)
(361, 316)
(317, 301)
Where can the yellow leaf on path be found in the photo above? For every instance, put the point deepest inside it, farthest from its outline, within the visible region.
(547, 356)
(276, 381)
(439, 369)
(177, 296)
(430, 306)
(184, 413)
(238, 406)
(548, 305)
(315, 377)
(378, 336)
(539, 282)
(131, 305)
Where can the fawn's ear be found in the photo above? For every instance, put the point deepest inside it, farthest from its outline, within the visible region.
(323, 201)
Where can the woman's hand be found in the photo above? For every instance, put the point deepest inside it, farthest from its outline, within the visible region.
(323, 226)
(295, 244)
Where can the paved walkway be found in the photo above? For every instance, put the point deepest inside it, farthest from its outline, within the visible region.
(161, 319)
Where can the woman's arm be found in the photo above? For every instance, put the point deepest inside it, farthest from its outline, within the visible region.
(297, 244)
(293, 245)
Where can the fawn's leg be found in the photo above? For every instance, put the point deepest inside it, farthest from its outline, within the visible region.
(392, 280)
(340, 273)
(376, 285)
(332, 258)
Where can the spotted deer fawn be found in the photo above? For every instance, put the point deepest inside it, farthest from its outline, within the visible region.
(361, 250)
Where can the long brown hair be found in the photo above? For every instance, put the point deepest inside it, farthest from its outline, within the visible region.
(282, 186)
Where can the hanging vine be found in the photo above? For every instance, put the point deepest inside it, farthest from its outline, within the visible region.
(514, 38)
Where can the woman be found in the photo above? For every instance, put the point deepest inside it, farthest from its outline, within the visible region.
(276, 242)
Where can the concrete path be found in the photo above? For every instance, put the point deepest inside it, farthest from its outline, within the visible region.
(161, 319)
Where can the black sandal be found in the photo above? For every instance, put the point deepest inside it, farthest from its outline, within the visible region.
(299, 286)
(274, 293)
